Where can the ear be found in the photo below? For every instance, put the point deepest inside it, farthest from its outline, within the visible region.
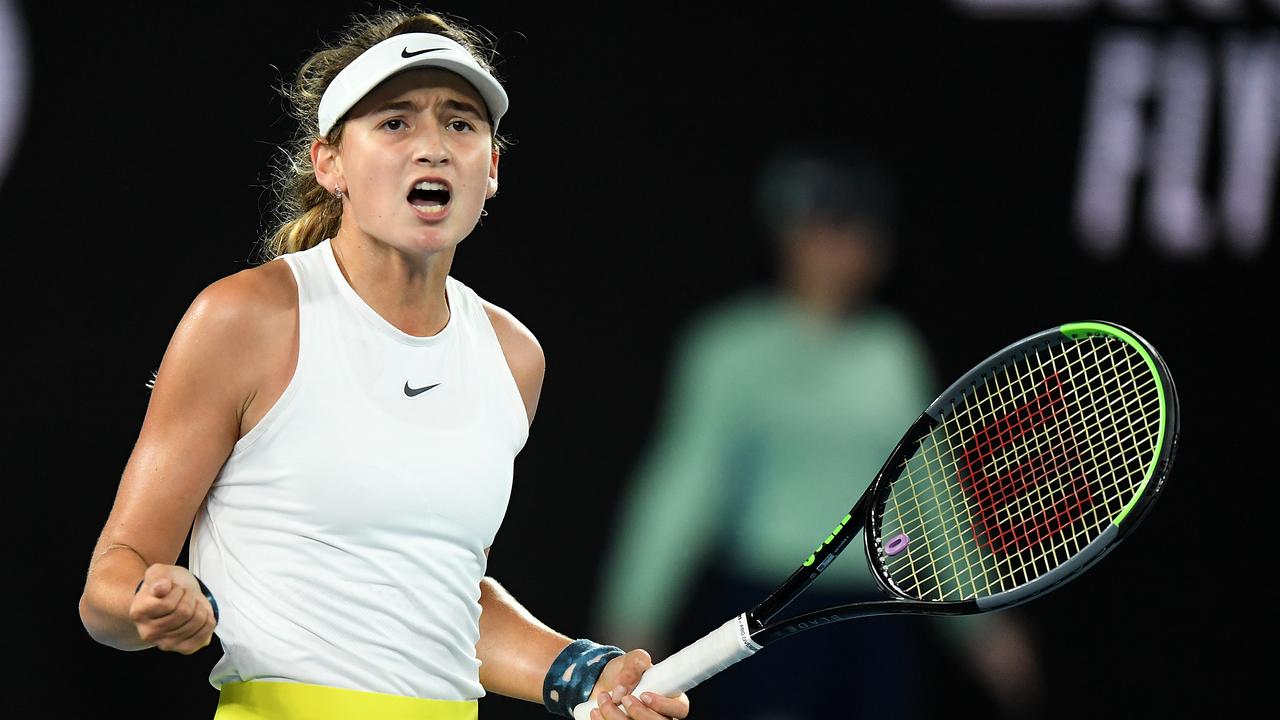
(492, 182)
(327, 164)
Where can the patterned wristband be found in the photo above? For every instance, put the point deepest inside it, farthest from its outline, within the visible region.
(574, 674)
(208, 594)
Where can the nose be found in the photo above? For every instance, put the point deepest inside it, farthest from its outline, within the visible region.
(431, 148)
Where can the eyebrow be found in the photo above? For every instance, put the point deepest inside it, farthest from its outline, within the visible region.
(455, 105)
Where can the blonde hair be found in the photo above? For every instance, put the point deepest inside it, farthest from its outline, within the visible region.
(307, 213)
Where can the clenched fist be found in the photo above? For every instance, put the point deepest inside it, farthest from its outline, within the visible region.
(170, 610)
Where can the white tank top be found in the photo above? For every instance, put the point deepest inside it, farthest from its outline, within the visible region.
(344, 536)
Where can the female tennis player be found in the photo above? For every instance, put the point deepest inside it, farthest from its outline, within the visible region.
(338, 425)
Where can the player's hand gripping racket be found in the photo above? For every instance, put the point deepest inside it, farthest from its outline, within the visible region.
(1020, 476)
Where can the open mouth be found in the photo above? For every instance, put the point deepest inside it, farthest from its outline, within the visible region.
(429, 197)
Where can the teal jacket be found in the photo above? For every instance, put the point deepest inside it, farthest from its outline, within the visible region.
(773, 424)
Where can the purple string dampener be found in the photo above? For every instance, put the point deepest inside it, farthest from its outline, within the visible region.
(897, 544)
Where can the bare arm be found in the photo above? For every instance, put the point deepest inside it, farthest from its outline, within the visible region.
(516, 649)
(203, 387)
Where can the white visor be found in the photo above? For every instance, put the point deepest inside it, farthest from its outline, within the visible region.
(397, 54)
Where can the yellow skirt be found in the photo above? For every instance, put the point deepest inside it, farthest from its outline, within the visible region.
(262, 700)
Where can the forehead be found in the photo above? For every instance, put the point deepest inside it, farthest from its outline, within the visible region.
(422, 85)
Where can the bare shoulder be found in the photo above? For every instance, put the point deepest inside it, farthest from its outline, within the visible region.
(262, 305)
(251, 297)
(242, 330)
(523, 353)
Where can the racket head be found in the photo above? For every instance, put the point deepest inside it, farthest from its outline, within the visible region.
(1026, 471)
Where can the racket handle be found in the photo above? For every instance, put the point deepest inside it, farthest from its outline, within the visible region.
(716, 651)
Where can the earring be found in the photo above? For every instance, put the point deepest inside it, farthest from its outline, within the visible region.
(337, 191)
(483, 212)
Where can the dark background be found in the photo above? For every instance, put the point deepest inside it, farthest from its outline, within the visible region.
(624, 209)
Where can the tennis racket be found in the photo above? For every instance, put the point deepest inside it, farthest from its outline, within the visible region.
(1021, 475)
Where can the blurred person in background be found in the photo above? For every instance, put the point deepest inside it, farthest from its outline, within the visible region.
(783, 404)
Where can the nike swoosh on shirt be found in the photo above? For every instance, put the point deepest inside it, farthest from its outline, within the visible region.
(415, 392)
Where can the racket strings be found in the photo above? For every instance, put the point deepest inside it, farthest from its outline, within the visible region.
(1117, 465)
(951, 554)
(933, 455)
(1024, 386)
(979, 578)
(1027, 572)
(1076, 498)
(1073, 498)
(994, 446)
(1028, 471)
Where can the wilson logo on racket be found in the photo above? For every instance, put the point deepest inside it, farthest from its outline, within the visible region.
(999, 474)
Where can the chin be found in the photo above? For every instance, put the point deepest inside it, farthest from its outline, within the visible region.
(432, 240)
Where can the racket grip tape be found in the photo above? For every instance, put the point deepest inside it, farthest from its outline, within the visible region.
(716, 651)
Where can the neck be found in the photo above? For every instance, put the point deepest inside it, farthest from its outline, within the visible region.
(825, 305)
(406, 289)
